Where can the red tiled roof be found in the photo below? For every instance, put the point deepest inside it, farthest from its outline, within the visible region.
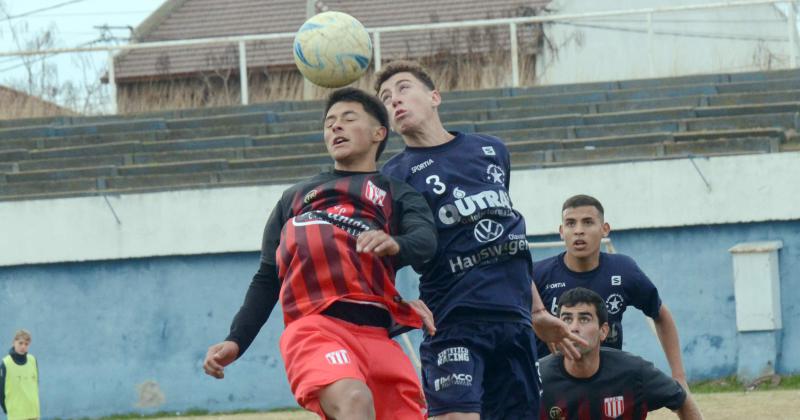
(192, 19)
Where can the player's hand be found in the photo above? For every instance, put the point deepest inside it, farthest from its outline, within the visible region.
(218, 356)
(682, 380)
(427, 316)
(556, 333)
(378, 242)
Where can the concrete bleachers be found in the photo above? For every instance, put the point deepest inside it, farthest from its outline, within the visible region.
(579, 124)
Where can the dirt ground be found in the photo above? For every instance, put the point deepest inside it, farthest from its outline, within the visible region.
(773, 405)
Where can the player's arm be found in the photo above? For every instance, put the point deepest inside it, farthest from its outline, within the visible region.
(647, 299)
(689, 410)
(667, 333)
(552, 330)
(415, 242)
(3, 385)
(261, 297)
(660, 390)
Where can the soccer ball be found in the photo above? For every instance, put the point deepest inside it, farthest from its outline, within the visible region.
(332, 49)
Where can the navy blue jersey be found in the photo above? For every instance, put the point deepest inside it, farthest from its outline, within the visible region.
(617, 279)
(482, 260)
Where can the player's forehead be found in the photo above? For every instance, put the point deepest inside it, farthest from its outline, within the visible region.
(397, 79)
(580, 308)
(345, 107)
(581, 212)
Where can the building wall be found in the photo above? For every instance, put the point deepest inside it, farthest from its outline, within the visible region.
(743, 38)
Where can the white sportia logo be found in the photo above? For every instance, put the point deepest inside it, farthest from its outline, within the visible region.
(487, 230)
(338, 357)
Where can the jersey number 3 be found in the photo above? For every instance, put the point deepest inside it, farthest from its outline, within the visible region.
(438, 186)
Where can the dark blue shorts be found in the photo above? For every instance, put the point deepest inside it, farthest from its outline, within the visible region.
(482, 367)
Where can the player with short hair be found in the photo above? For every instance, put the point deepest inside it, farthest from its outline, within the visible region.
(604, 383)
(19, 380)
(482, 361)
(615, 277)
(330, 251)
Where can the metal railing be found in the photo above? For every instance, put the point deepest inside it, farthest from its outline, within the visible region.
(512, 23)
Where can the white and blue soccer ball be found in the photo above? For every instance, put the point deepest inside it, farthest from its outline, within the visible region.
(332, 49)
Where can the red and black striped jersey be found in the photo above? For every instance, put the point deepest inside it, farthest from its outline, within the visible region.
(309, 250)
(625, 387)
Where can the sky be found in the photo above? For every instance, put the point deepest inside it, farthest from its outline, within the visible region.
(73, 24)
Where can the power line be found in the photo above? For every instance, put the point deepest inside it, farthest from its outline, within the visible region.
(43, 9)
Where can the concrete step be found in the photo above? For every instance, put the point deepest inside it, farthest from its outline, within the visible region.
(93, 150)
(782, 120)
(60, 174)
(197, 144)
(174, 168)
(71, 163)
(47, 189)
(231, 120)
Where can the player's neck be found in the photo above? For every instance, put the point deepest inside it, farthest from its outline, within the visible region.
(583, 264)
(368, 165)
(429, 134)
(585, 367)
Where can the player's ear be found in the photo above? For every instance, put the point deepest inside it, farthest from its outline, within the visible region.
(603, 331)
(606, 229)
(379, 134)
(436, 98)
(561, 231)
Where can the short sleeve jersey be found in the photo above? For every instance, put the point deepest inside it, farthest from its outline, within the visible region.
(625, 387)
(617, 279)
(482, 260)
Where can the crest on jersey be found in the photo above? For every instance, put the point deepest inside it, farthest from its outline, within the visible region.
(556, 413)
(614, 303)
(613, 407)
(310, 196)
(374, 194)
(495, 174)
(487, 230)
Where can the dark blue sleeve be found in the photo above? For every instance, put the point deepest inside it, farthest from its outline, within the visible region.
(3, 385)
(645, 294)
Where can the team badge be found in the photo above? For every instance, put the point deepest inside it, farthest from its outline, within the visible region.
(556, 413)
(614, 303)
(310, 196)
(495, 174)
(613, 407)
(375, 194)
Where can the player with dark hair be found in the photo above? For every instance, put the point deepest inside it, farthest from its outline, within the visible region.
(330, 251)
(604, 383)
(482, 361)
(615, 277)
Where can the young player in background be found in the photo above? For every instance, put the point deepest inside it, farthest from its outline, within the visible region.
(615, 277)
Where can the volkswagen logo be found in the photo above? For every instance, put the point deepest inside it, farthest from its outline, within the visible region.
(487, 230)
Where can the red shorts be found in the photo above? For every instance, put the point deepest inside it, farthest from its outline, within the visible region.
(319, 350)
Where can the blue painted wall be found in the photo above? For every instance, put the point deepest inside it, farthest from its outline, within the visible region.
(100, 329)
(693, 270)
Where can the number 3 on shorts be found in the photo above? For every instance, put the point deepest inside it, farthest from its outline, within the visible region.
(438, 187)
